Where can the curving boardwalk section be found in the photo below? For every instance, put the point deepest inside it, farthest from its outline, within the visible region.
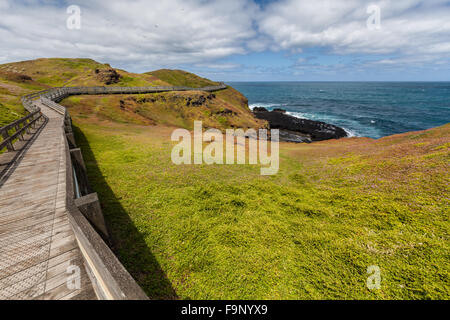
(38, 249)
(53, 237)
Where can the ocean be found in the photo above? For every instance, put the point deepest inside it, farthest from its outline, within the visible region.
(365, 109)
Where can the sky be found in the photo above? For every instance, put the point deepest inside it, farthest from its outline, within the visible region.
(239, 40)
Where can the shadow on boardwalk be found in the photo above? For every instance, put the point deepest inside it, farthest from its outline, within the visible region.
(127, 242)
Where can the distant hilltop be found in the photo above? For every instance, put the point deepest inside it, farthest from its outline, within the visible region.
(223, 109)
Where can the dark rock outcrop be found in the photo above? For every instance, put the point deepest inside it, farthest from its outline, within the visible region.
(16, 77)
(260, 109)
(108, 76)
(226, 111)
(303, 130)
(292, 136)
(198, 101)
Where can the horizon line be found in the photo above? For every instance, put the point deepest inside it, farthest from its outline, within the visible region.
(367, 81)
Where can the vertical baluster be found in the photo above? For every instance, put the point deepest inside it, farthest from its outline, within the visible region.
(26, 123)
(5, 136)
(17, 127)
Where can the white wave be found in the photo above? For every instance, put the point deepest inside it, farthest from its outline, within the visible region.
(262, 105)
(299, 115)
(350, 133)
(268, 106)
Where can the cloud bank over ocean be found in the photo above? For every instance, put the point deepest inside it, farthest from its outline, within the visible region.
(213, 35)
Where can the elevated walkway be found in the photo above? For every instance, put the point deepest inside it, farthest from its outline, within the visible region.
(53, 238)
(38, 250)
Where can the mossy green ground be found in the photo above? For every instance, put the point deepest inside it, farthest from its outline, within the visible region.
(225, 231)
(309, 232)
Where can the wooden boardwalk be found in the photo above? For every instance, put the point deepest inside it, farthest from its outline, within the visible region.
(40, 253)
(38, 249)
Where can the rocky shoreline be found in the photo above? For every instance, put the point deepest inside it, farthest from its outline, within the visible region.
(298, 130)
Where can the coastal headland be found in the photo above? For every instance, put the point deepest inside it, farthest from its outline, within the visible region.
(335, 208)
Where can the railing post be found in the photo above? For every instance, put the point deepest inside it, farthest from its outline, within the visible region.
(25, 123)
(33, 123)
(17, 127)
(9, 145)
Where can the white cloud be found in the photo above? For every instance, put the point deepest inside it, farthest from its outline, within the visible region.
(218, 66)
(4, 4)
(139, 33)
(409, 27)
(142, 35)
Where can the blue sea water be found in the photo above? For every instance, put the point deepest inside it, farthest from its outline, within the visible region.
(367, 109)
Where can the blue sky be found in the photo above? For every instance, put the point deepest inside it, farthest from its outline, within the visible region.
(241, 40)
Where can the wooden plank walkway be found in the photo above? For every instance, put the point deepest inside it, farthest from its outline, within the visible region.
(37, 244)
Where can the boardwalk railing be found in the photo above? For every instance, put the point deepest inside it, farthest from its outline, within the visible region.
(108, 276)
(59, 93)
(18, 128)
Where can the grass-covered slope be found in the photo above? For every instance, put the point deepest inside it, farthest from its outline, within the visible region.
(13, 85)
(223, 109)
(181, 78)
(233, 109)
(57, 72)
(20, 78)
(178, 109)
(309, 232)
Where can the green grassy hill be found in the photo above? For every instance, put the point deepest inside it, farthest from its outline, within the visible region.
(226, 108)
(226, 232)
(57, 72)
(181, 78)
(20, 78)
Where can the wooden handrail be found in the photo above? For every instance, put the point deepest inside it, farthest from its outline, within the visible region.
(19, 121)
(58, 92)
(9, 139)
(49, 96)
